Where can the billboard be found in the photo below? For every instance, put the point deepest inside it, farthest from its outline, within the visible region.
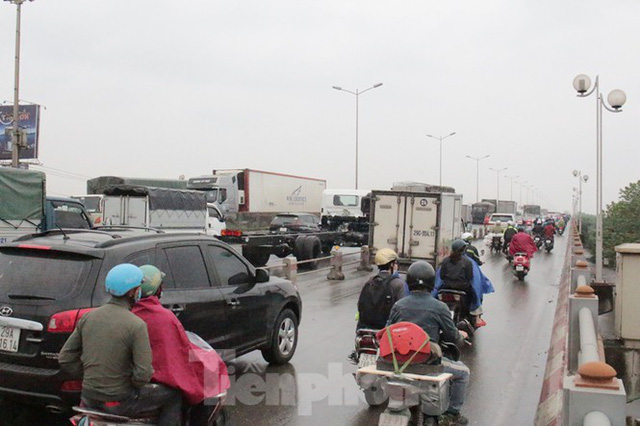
(29, 120)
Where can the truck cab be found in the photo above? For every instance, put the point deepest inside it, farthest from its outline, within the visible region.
(345, 202)
(221, 190)
(63, 212)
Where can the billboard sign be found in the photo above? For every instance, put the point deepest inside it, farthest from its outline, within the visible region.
(29, 120)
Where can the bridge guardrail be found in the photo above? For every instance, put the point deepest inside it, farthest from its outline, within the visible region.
(592, 394)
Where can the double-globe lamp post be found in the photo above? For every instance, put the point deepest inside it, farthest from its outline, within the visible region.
(478, 159)
(616, 98)
(357, 94)
(581, 178)
(441, 138)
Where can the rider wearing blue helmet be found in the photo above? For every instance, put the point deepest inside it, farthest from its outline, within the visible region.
(110, 350)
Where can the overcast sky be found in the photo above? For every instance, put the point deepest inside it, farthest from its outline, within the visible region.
(156, 88)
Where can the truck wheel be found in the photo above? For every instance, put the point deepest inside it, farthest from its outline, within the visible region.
(298, 247)
(312, 250)
(284, 339)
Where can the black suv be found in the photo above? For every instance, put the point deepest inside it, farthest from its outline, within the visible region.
(48, 280)
(295, 222)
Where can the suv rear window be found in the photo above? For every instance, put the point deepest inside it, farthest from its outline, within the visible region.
(284, 220)
(41, 274)
(503, 218)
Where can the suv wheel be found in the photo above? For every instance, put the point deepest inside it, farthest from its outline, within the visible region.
(284, 339)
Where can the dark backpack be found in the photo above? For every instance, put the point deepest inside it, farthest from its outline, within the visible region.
(375, 302)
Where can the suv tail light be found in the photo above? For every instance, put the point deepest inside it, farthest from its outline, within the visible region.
(65, 321)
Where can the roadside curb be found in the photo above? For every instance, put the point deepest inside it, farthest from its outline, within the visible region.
(549, 411)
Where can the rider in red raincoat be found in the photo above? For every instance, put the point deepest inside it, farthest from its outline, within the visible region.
(522, 243)
(177, 362)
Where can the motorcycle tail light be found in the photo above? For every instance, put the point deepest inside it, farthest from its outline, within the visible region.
(71, 386)
(446, 297)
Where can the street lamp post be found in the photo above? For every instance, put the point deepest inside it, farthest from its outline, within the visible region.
(478, 159)
(511, 178)
(498, 181)
(581, 177)
(16, 139)
(357, 94)
(616, 98)
(441, 138)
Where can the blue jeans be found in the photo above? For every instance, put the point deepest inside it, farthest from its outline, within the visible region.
(459, 382)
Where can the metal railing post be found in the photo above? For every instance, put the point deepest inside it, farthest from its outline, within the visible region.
(290, 268)
(335, 273)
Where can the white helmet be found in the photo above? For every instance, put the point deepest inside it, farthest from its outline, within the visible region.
(510, 223)
(467, 236)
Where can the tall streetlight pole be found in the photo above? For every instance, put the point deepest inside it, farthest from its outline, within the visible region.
(498, 180)
(441, 138)
(581, 178)
(357, 94)
(511, 178)
(16, 140)
(616, 99)
(478, 159)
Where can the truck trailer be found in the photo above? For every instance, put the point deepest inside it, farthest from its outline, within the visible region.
(416, 225)
(251, 198)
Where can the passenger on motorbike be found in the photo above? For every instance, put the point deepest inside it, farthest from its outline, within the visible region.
(434, 318)
(110, 349)
(471, 250)
(177, 362)
(550, 230)
(522, 243)
(380, 292)
(456, 273)
(538, 229)
(508, 234)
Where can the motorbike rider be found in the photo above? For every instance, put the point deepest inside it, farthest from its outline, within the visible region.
(550, 230)
(471, 250)
(538, 229)
(110, 349)
(456, 273)
(174, 356)
(508, 234)
(380, 292)
(522, 243)
(434, 318)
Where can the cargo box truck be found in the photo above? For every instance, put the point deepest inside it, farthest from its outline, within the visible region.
(416, 225)
(251, 198)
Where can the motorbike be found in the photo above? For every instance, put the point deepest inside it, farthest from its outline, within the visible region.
(560, 231)
(548, 244)
(521, 265)
(456, 301)
(366, 354)
(496, 244)
(537, 239)
(417, 392)
(216, 416)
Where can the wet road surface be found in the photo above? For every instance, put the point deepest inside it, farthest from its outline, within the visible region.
(507, 359)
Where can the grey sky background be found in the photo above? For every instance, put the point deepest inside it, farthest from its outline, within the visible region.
(156, 88)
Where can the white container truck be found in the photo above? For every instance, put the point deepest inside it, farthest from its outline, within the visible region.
(251, 198)
(416, 225)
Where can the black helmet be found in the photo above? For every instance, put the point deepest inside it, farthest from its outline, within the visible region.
(421, 276)
(458, 245)
(520, 228)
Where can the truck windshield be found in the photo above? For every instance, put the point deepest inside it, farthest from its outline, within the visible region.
(345, 200)
(211, 195)
(92, 204)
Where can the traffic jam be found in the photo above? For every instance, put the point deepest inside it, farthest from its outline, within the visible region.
(142, 291)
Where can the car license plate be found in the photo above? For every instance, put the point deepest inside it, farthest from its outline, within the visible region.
(283, 229)
(519, 268)
(9, 338)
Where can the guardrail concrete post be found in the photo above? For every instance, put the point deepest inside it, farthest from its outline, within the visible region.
(336, 266)
(581, 268)
(291, 269)
(583, 298)
(365, 260)
(594, 388)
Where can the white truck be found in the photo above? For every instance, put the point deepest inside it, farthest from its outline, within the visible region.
(159, 208)
(416, 225)
(251, 198)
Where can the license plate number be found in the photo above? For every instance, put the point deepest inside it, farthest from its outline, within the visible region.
(519, 268)
(283, 229)
(9, 338)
